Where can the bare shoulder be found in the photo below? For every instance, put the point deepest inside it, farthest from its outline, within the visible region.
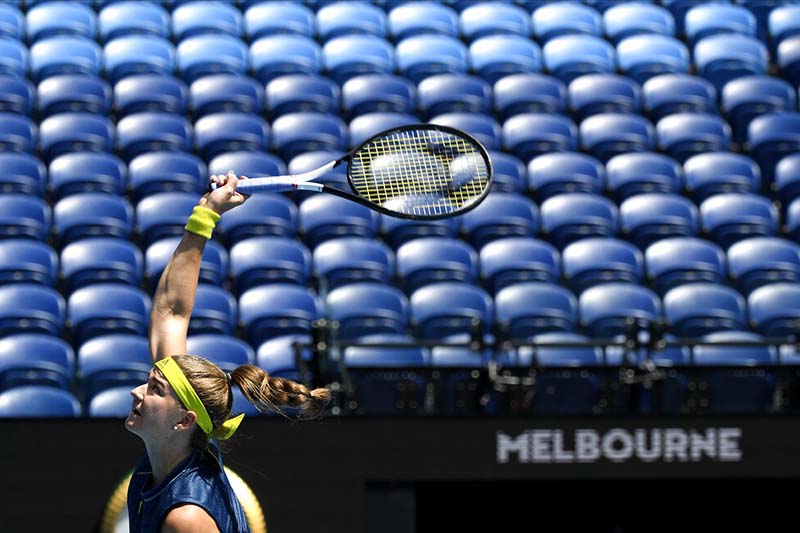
(188, 518)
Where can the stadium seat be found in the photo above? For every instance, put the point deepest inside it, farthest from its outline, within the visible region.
(118, 19)
(483, 127)
(526, 309)
(450, 308)
(213, 264)
(268, 18)
(679, 8)
(150, 92)
(282, 356)
(563, 172)
(571, 216)
(650, 217)
(28, 261)
(75, 172)
(783, 22)
(666, 94)
(163, 215)
(68, 132)
(262, 215)
(352, 55)
(295, 133)
(262, 260)
(397, 231)
(165, 171)
(773, 310)
(704, 20)
(490, 18)
(605, 309)
(645, 56)
(606, 135)
(371, 93)
(347, 260)
(677, 261)
(362, 127)
(713, 173)
(52, 19)
(570, 56)
(15, 58)
(113, 360)
(347, 18)
(36, 359)
(22, 174)
(723, 308)
(566, 18)
(18, 133)
(12, 22)
(73, 93)
(770, 137)
(529, 93)
(509, 173)
(311, 160)
(114, 402)
(104, 308)
(723, 57)
(322, 217)
(38, 401)
(414, 18)
(276, 55)
(215, 311)
(268, 311)
(302, 92)
(682, 135)
(92, 214)
(513, 260)
(597, 260)
(760, 261)
(500, 215)
(134, 55)
(604, 93)
(226, 93)
(786, 179)
(31, 308)
(366, 308)
(747, 97)
(17, 95)
(206, 54)
(495, 56)
(204, 17)
(792, 226)
(731, 217)
(152, 131)
(217, 133)
(225, 351)
(633, 18)
(428, 260)
(24, 216)
(100, 260)
(629, 174)
(454, 93)
(528, 135)
(423, 55)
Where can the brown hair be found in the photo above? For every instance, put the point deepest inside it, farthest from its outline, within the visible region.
(265, 392)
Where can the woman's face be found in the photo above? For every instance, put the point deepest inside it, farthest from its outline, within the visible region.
(154, 409)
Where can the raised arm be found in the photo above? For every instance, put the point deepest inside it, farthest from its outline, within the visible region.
(174, 297)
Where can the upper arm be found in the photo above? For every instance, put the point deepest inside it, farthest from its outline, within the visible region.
(167, 335)
(188, 518)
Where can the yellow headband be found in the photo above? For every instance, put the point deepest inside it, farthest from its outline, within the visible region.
(187, 395)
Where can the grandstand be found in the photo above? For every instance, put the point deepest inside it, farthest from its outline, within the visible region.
(636, 264)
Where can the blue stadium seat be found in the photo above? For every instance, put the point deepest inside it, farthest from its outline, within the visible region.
(604, 93)
(597, 260)
(152, 131)
(713, 173)
(352, 55)
(678, 93)
(572, 216)
(226, 92)
(261, 260)
(761, 9)
(162, 215)
(295, 133)
(268, 18)
(74, 172)
(606, 135)
(428, 260)
(280, 356)
(747, 97)
(322, 217)
(570, 56)
(15, 58)
(783, 22)
(528, 135)
(566, 18)
(17, 95)
(770, 137)
(38, 401)
(114, 402)
(245, 163)
(792, 225)
(678, 8)
(53, 19)
(451, 93)
(423, 55)
(134, 55)
(731, 217)
(371, 93)
(165, 171)
(277, 55)
(92, 214)
(22, 173)
(763, 260)
(311, 160)
(217, 133)
(27, 261)
(206, 54)
(677, 261)
(225, 351)
(564, 172)
(364, 126)
(500, 215)
(150, 92)
(483, 127)
(397, 231)
(786, 179)
(18, 133)
(24, 216)
(704, 20)
(31, 308)
(449, 308)
(682, 135)
(526, 309)
(513, 260)
(347, 18)
(262, 215)
(213, 264)
(215, 311)
(633, 18)
(723, 308)
(12, 22)
(113, 360)
(645, 56)
(68, 132)
(131, 18)
(104, 308)
(204, 17)
(71, 93)
(723, 57)
(100, 260)
(489, 18)
(302, 92)
(268, 311)
(773, 310)
(633, 173)
(605, 309)
(367, 308)
(415, 18)
(339, 262)
(36, 359)
(649, 217)
(509, 173)
(529, 93)
(495, 56)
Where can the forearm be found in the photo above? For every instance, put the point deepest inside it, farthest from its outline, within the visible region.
(174, 296)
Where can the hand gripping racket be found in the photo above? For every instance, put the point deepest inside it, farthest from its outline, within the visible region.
(422, 171)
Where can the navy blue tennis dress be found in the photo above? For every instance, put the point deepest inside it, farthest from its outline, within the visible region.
(199, 479)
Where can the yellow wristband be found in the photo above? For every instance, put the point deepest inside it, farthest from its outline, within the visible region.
(202, 221)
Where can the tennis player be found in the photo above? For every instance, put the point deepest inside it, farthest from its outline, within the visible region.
(184, 408)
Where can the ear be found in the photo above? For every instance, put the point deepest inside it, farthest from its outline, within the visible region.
(187, 421)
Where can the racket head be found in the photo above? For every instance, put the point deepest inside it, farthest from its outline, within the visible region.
(421, 171)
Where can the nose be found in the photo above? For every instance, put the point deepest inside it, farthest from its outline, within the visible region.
(137, 392)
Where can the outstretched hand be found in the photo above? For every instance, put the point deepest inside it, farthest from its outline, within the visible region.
(224, 197)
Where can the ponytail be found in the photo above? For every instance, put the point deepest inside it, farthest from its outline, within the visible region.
(267, 392)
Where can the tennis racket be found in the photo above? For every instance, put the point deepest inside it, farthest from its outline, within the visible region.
(421, 171)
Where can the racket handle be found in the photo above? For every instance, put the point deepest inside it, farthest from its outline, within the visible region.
(268, 184)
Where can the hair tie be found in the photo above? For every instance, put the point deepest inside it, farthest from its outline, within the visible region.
(230, 379)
